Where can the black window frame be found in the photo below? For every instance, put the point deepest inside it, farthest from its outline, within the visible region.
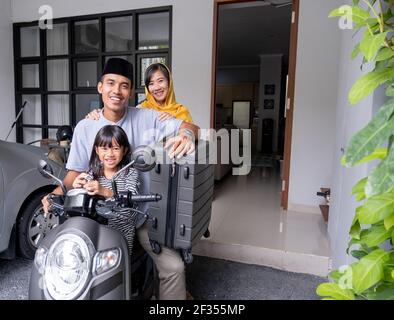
(73, 58)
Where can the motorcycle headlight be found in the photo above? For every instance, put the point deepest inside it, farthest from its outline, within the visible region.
(105, 260)
(67, 266)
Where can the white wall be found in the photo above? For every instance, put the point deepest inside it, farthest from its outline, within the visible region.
(7, 94)
(191, 41)
(315, 102)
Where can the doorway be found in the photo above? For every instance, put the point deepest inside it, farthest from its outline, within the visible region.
(254, 57)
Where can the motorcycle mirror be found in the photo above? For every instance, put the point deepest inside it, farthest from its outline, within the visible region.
(144, 158)
(45, 169)
(47, 172)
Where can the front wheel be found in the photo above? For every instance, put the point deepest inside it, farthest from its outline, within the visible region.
(33, 226)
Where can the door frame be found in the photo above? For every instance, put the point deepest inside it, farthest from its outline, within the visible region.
(290, 93)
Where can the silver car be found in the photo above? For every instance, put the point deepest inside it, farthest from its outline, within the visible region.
(22, 187)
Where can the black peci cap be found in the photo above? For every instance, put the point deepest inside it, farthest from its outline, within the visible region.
(119, 66)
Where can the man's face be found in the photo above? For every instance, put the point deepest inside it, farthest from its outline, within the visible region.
(116, 91)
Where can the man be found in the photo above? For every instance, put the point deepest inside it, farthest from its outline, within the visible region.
(115, 87)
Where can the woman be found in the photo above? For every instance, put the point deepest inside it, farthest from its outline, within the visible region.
(160, 95)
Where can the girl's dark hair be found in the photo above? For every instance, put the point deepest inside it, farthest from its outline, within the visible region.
(149, 72)
(104, 139)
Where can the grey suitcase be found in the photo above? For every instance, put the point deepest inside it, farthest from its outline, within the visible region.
(183, 215)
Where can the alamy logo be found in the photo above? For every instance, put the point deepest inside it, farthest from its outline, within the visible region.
(46, 17)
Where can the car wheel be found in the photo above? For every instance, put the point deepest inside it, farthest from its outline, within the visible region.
(33, 226)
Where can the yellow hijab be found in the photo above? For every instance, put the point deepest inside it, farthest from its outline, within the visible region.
(170, 106)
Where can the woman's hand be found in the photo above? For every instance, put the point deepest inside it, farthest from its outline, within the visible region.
(94, 115)
(165, 116)
(80, 181)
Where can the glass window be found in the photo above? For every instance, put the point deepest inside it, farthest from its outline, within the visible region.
(58, 75)
(30, 76)
(84, 103)
(87, 36)
(119, 34)
(30, 42)
(31, 135)
(58, 110)
(153, 31)
(57, 39)
(146, 62)
(140, 97)
(32, 111)
(128, 58)
(86, 74)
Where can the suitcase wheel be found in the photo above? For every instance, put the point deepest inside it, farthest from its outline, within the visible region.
(207, 234)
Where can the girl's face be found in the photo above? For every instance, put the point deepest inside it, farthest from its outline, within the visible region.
(111, 157)
(158, 87)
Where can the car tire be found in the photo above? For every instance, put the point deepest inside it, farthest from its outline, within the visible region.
(33, 226)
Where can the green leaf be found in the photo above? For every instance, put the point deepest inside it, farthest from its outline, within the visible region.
(359, 189)
(389, 222)
(375, 236)
(392, 237)
(335, 275)
(369, 270)
(390, 91)
(377, 208)
(356, 51)
(384, 54)
(381, 179)
(368, 83)
(378, 130)
(387, 294)
(379, 153)
(355, 229)
(334, 291)
(358, 254)
(371, 44)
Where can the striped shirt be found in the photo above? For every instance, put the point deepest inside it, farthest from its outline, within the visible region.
(125, 223)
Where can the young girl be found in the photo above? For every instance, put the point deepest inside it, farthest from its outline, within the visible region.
(111, 151)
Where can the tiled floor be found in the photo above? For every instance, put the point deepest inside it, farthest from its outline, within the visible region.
(248, 225)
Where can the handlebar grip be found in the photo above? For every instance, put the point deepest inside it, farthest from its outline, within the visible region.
(145, 198)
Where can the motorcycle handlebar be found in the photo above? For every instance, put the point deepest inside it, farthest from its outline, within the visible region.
(145, 198)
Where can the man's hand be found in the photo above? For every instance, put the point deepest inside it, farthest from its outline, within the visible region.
(180, 145)
(80, 181)
(94, 115)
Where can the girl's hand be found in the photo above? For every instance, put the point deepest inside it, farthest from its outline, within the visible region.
(165, 116)
(93, 187)
(80, 181)
(94, 115)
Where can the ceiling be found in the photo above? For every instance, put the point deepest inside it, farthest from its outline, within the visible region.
(246, 30)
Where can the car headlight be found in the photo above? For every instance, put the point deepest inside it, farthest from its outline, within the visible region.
(105, 260)
(67, 266)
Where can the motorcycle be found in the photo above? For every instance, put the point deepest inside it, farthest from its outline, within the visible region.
(83, 258)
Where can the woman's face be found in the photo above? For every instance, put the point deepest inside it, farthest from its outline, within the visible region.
(111, 157)
(158, 87)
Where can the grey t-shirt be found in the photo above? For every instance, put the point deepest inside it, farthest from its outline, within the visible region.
(142, 128)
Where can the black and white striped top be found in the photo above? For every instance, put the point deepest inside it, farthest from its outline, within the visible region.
(127, 181)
